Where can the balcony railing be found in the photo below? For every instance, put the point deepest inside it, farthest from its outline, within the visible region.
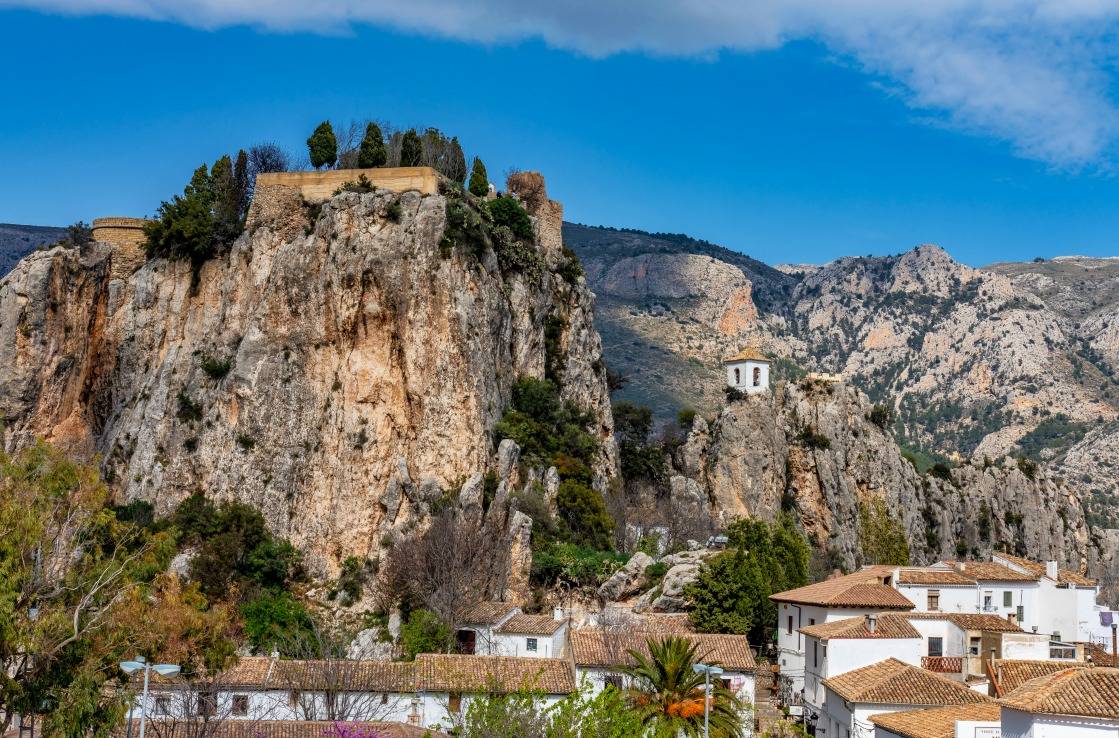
(943, 664)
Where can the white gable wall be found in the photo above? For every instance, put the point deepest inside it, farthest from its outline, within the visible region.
(1019, 724)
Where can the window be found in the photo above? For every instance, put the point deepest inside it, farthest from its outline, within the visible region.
(530, 644)
(162, 706)
(815, 653)
(811, 621)
(789, 627)
(240, 705)
(1021, 614)
(757, 377)
(973, 646)
(738, 376)
(206, 704)
(936, 646)
(987, 602)
(454, 703)
(613, 680)
(934, 600)
(1007, 599)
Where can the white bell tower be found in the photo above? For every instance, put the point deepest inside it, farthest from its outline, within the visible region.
(748, 371)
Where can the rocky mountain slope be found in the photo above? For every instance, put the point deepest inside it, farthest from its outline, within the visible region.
(1015, 359)
(812, 449)
(16, 241)
(341, 370)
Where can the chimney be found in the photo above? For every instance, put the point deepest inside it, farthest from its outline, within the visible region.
(1114, 639)
(872, 623)
(1051, 570)
(557, 614)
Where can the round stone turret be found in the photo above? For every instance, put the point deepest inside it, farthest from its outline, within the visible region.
(126, 236)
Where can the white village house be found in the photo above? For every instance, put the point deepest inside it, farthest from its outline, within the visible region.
(431, 692)
(1076, 702)
(850, 699)
(1029, 611)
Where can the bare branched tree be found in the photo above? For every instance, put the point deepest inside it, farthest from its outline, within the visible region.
(335, 678)
(449, 569)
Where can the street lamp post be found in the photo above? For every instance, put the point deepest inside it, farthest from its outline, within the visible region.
(708, 671)
(131, 667)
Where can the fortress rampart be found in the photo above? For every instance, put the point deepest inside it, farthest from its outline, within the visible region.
(277, 193)
(126, 236)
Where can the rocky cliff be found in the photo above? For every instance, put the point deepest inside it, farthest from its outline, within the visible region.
(811, 448)
(341, 369)
(1015, 359)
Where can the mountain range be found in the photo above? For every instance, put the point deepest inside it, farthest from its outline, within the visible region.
(1013, 359)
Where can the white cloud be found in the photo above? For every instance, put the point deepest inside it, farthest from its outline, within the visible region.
(1034, 73)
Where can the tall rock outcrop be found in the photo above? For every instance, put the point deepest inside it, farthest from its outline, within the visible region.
(341, 370)
(811, 448)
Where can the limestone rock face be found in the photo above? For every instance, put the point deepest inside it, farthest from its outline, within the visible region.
(628, 580)
(340, 374)
(758, 460)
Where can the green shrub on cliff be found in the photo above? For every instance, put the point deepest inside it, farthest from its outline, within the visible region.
(507, 211)
(184, 227)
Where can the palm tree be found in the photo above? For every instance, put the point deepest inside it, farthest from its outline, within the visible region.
(668, 693)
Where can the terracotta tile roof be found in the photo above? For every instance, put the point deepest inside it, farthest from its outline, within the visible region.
(862, 589)
(499, 674)
(522, 624)
(1086, 691)
(889, 625)
(594, 648)
(942, 577)
(669, 623)
(989, 571)
(1100, 655)
(488, 613)
(970, 621)
(1037, 569)
(1013, 673)
(894, 682)
(747, 354)
(271, 729)
(938, 722)
(256, 672)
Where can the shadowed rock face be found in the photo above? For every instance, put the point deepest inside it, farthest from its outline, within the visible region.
(753, 460)
(339, 375)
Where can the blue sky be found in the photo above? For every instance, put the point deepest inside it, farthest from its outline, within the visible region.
(801, 149)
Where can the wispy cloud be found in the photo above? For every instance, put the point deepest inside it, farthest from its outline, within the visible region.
(1034, 73)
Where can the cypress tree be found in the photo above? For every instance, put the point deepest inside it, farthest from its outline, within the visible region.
(479, 185)
(323, 146)
(456, 162)
(241, 183)
(372, 152)
(226, 198)
(411, 150)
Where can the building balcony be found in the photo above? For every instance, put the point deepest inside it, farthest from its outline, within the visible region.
(943, 664)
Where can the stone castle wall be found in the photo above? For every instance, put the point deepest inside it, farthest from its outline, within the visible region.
(126, 236)
(276, 192)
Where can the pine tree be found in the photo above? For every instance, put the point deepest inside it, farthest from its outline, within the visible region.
(185, 226)
(411, 150)
(479, 185)
(372, 152)
(226, 199)
(456, 162)
(323, 146)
